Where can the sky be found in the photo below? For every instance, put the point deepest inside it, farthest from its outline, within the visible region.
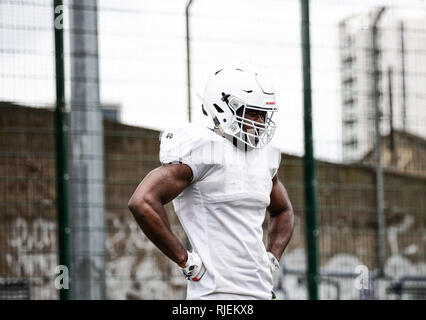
(142, 58)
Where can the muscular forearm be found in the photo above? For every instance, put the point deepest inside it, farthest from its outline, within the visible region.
(151, 217)
(279, 232)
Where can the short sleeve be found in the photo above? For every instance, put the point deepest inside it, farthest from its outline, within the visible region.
(274, 160)
(184, 145)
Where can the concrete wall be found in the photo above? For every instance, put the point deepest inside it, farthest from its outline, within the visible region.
(138, 270)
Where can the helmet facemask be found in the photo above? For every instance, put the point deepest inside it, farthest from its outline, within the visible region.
(253, 133)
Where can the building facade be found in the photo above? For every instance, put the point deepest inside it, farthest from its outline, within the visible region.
(401, 74)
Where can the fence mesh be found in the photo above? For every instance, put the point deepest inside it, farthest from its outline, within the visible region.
(368, 58)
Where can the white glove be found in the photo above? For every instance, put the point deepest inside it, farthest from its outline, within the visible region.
(274, 265)
(194, 268)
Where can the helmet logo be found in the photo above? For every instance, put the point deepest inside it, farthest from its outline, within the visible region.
(234, 104)
(234, 127)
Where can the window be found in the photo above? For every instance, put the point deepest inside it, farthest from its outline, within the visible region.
(352, 143)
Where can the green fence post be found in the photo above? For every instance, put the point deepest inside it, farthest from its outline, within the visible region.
(61, 129)
(308, 160)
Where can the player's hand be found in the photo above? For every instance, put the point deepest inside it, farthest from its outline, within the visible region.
(194, 268)
(274, 264)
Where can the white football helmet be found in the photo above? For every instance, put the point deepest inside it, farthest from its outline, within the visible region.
(232, 88)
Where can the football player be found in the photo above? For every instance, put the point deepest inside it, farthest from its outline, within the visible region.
(221, 180)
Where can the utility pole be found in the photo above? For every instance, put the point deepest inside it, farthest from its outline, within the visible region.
(391, 125)
(381, 241)
(404, 94)
(87, 156)
(188, 58)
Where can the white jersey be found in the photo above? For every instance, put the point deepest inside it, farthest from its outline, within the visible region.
(223, 209)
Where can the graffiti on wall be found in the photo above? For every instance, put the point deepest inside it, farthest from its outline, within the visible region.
(31, 254)
(136, 274)
(137, 270)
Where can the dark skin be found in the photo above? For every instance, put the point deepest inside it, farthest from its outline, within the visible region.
(165, 183)
(250, 114)
(160, 186)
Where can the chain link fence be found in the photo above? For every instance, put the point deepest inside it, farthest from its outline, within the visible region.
(369, 120)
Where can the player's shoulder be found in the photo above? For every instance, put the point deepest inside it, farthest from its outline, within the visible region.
(190, 136)
(186, 144)
(273, 150)
(189, 131)
(274, 158)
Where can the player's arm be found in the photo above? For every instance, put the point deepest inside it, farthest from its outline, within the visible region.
(159, 187)
(281, 221)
